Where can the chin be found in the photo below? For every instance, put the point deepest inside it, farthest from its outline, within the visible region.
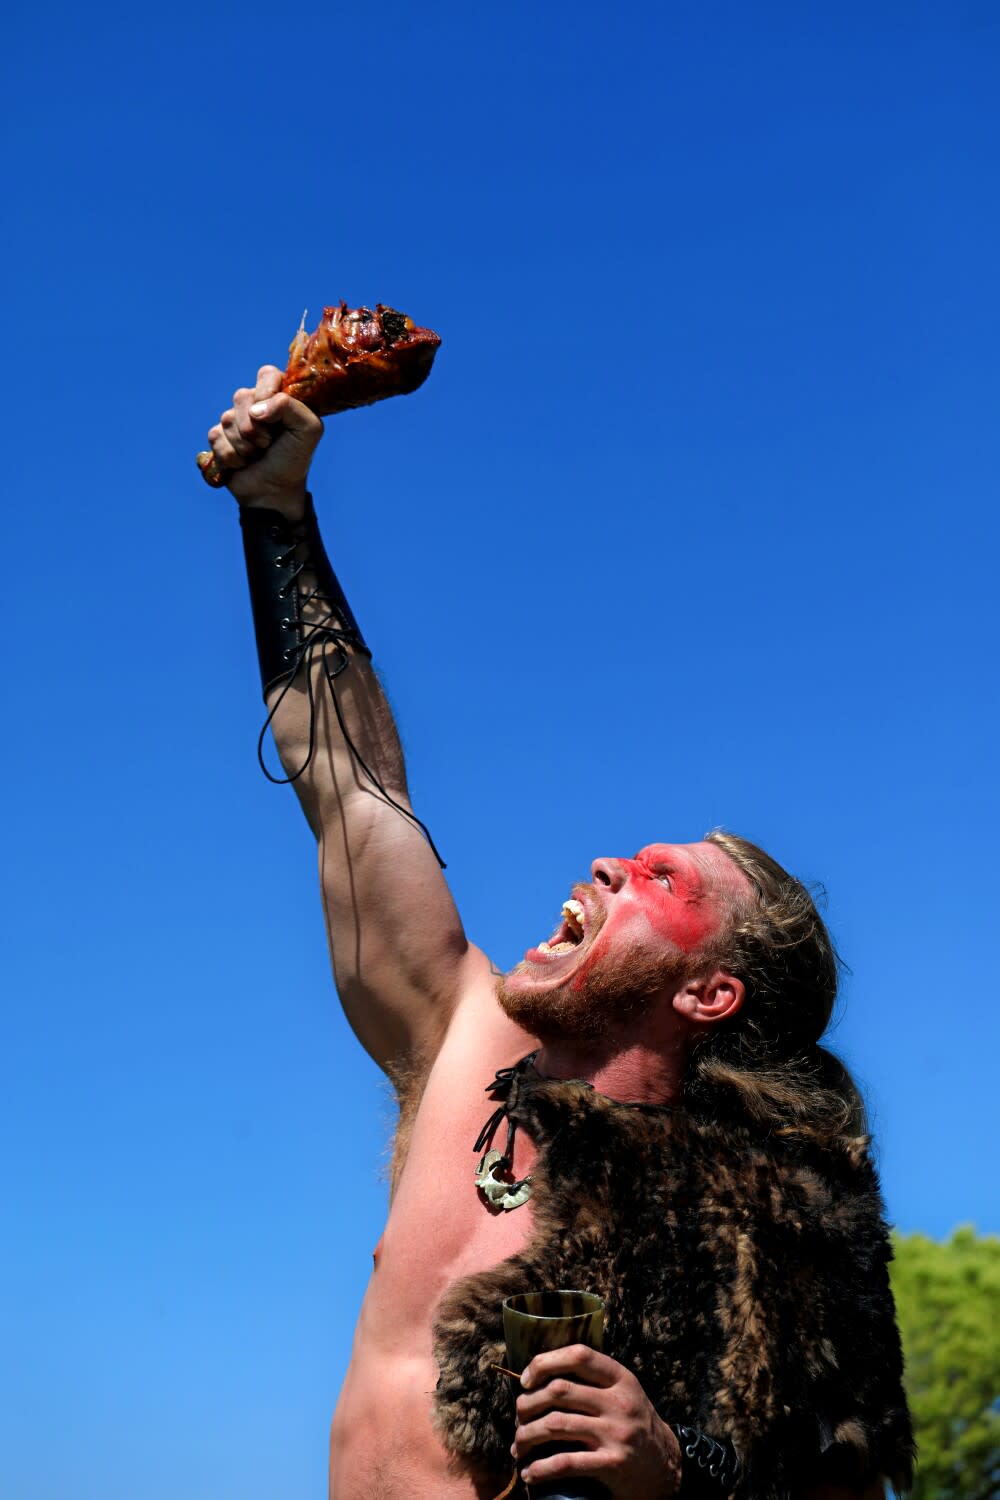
(549, 1011)
(585, 1001)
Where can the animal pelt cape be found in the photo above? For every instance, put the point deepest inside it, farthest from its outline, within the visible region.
(745, 1275)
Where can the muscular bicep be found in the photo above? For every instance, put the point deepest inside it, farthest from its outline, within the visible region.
(399, 951)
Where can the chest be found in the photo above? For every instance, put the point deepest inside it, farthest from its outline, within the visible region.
(440, 1228)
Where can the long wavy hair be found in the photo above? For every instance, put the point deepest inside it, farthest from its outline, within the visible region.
(767, 1060)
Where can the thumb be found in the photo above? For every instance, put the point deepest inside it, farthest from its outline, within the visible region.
(284, 410)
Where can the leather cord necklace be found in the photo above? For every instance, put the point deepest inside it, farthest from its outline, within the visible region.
(500, 1196)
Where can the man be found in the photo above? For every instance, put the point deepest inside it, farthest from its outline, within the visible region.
(678, 1142)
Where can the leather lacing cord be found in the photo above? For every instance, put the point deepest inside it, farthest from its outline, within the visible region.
(316, 636)
(501, 1086)
(716, 1459)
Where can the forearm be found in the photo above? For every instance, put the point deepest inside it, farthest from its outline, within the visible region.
(395, 937)
(331, 723)
(330, 734)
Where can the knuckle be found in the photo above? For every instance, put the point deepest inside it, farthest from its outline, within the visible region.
(560, 1463)
(560, 1389)
(240, 394)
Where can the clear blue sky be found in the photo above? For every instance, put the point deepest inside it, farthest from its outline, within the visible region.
(694, 523)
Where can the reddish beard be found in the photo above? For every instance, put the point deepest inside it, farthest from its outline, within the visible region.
(595, 998)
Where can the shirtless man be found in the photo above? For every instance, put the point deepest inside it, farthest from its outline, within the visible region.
(618, 998)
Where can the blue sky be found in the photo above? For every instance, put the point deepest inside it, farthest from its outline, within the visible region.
(693, 524)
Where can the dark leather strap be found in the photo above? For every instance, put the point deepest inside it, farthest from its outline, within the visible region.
(277, 552)
(710, 1469)
(297, 625)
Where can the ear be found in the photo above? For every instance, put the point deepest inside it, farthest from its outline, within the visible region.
(710, 998)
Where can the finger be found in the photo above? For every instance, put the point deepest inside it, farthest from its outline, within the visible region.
(561, 1395)
(253, 431)
(593, 1462)
(269, 379)
(223, 451)
(229, 422)
(555, 1427)
(292, 415)
(576, 1361)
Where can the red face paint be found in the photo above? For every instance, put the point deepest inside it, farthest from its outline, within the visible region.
(658, 902)
(643, 916)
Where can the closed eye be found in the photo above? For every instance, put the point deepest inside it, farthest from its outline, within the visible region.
(650, 868)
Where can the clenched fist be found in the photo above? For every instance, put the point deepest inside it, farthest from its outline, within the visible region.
(265, 442)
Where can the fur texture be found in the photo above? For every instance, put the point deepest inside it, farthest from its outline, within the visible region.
(745, 1279)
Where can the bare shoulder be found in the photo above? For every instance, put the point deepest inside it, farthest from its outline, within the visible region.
(443, 1083)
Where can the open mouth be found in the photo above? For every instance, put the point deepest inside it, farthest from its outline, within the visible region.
(570, 932)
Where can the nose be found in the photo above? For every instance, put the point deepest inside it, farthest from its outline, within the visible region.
(609, 872)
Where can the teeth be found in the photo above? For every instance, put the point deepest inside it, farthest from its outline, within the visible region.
(573, 912)
(574, 916)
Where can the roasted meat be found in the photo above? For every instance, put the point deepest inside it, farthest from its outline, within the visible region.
(355, 357)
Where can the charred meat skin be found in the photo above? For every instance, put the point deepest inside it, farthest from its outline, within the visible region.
(355, 357)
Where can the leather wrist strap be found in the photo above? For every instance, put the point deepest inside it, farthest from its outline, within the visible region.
(277, 552)
(710, 1469)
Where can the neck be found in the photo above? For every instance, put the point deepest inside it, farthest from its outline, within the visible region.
(631, 1072)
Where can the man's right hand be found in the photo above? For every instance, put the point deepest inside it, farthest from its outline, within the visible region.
(267, 440)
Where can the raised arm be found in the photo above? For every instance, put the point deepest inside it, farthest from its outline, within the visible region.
(400, 956)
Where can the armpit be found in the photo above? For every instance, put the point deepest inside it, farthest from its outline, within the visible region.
(409, 1079)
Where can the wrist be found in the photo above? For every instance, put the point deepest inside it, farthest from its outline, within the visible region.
(291, 501)
(672, 1460)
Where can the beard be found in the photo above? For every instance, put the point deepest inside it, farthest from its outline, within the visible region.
(593, 1002)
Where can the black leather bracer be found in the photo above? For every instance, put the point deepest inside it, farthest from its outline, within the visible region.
(297, 624)
(278, 552)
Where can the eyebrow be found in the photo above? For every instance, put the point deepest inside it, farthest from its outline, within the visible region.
(683, 864)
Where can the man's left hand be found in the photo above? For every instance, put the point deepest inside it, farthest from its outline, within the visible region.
(576, 1395)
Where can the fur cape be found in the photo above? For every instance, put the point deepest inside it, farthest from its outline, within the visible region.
(745, 1276)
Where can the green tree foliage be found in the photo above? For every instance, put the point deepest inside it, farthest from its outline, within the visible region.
(948, 1297)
